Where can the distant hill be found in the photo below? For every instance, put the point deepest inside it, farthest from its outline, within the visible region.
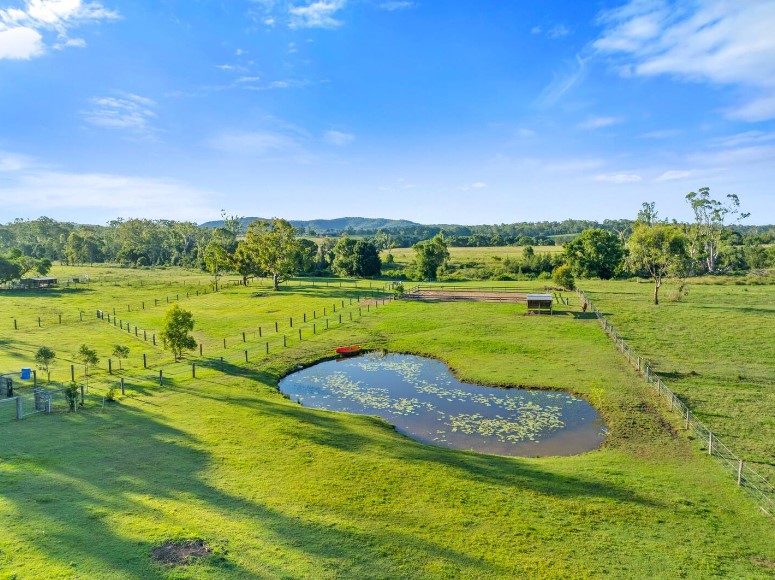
(354, 224)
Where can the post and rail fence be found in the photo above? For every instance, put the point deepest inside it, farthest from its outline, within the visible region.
(752, 482)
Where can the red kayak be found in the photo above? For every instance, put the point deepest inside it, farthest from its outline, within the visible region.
(348, 350)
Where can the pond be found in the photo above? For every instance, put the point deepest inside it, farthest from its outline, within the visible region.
(421, 398)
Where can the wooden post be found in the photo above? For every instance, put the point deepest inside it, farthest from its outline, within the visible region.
(243, 337)
(314, 314)
(324, 311)
(168, 299)
(161, 378)
(123, 390)
(305, 317)
(686, 425)
(38, 321)
(267, 348)
(246, 356)
(221, 364)
(224, 343)
(34, 378)
(259, 332)
(145, 362)
(72, 373)
(19, 409)
(200, 349)
(284, 342)
(114, 313)
(340, 319)
(60, 319)
(110, 367)
(143, 305)
(314, 330)
(275, 326)
(334, 307)
(193, 370)
(351, 316)
(290, 320)
(81, 313)
(710, 443)
(121, 324)
(368, 308)
(326, 323)
(300, 335)
(740, 472)
(360, 312)
(154, 340)
(15, 327)
(135, 331)
(145, 335)
(82, 401)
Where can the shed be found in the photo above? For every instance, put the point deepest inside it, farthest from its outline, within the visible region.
(539, 303)
(38, 282)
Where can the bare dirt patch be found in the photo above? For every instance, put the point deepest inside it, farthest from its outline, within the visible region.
(177, 553)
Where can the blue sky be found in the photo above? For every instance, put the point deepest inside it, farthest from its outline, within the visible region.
(438, 112)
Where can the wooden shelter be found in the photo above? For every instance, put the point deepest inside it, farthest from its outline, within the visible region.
(539, 304)
(38, 282)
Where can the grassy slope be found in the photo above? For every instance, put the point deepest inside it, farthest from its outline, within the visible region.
(284, 491)
(486, 255)
(714, 347)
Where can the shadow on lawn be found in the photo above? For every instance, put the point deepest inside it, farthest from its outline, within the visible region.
(142, 472)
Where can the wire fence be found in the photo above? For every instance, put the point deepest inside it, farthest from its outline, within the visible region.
(747, 478)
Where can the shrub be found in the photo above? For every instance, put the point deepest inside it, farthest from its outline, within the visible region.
(563, 277)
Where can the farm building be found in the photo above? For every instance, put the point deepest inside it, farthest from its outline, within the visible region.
(539, 304)
(37, 282)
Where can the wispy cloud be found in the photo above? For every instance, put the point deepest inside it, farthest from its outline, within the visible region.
(127, 111)
(338, 138)
(746, 138)
(22, 30)
(662, 134)
(599, 122)
(33, 187)
(397, 5)
(562, 82)
(715, 41)
(558, 31)
(673, 175)
(318, 14)
(618, 177)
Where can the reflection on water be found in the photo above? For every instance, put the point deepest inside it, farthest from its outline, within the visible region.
(425, 402)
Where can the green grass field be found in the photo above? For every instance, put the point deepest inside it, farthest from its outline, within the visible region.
(715, 348)
(487, 256)
(279, 490)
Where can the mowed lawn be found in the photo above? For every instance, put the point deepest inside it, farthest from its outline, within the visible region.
(279, 490)
(715, 348)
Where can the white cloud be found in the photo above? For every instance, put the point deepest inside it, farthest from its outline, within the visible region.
(746, 138)
(119, 194)
(12, 162)
(339, 138)
(20, 43)
(319, 14)
(21, 29)
(397, 5)
(127, 112)
(618, 178)
(535, 30)
(478, 185)
(255, 144)
(715, 41)
(525, 133)
(672, 175)
(558, 31)
(562, 82)
(599, 122)
(662, 134)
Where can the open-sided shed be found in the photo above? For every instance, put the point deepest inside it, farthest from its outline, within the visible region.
(539, 304)
(38, 282)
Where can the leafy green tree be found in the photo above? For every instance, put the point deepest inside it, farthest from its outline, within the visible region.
(243, 260)
(87, 357)
(45, 358)
(563, 277)
(356, 258)
(307, 254)
(120, 351)
(430, 256)
(275, 248)
(659, 251)
(595, 253)
(709, 217)
(176, 326)
(344, 257)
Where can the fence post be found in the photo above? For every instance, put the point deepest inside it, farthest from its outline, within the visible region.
(221, 364)
(314, 329)
(161, 378)
(259, 332)
(267, 348)
(193, 370)
(145, 362)
(82, 401)
(19, 409)
(740, 472)
(326, 323)
(300, 335)
(275, 326)
(284, 342)
(15, 327)
(710, 443)
(60, 319)
(351, 316)
(305, 317)
(290, 320)
(200, 349)
(243, 337)
(246, 356)
(224, 343)
(123, 391)
(110, 367)
(340, 319)
(72, 373)
(688, 412)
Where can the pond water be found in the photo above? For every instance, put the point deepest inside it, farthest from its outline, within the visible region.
(425, 402)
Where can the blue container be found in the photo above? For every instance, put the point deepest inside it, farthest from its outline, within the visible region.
(26, 374)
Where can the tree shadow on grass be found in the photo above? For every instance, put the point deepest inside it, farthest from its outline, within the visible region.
(104, 505)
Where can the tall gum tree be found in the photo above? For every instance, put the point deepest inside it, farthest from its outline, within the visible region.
(275, 249)
(658, 250)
